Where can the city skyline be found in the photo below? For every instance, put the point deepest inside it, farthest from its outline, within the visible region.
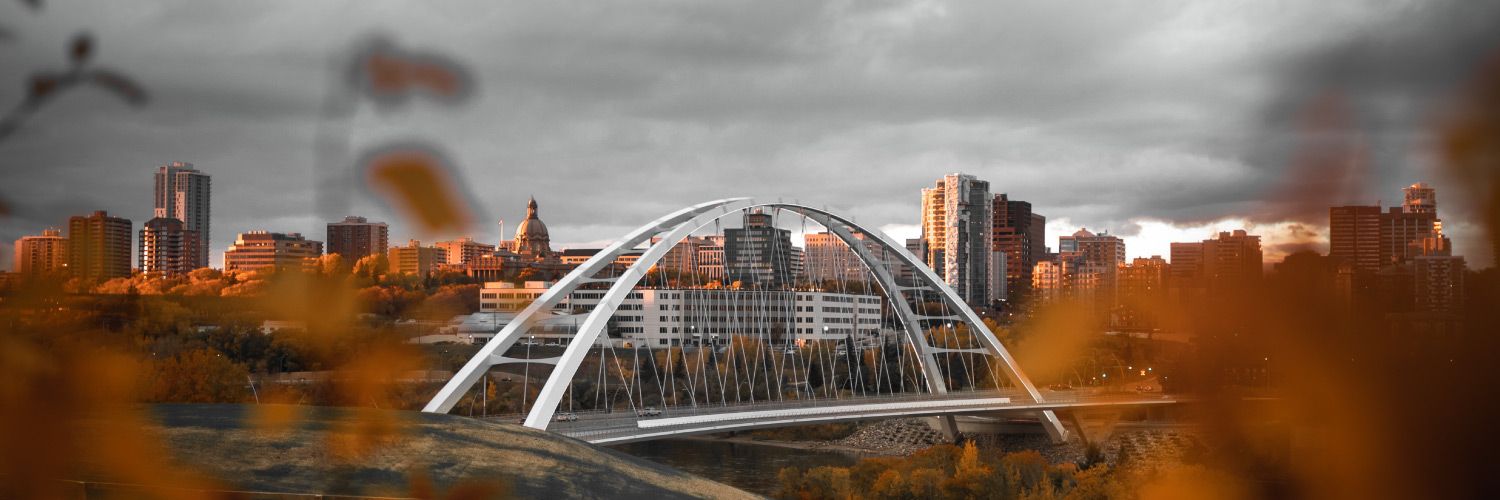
(1422, 210)
(1172, 169)
(945, 249)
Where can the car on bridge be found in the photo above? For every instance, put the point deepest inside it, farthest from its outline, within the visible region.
(649, 411)
(565, 417)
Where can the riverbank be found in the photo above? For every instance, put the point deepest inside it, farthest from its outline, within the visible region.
(1136, 443)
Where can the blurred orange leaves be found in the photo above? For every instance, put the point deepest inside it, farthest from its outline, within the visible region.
(390, 75)
(419, 182)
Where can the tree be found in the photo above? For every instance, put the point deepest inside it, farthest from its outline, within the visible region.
(332, 264)
(530, 274)
(924, 483)
(372, 266)
(451, 300)
(890, 485)
(198, 376)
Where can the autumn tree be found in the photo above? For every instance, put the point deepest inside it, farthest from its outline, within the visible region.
(198, 376)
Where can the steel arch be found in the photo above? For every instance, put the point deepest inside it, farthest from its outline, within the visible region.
(677, 226)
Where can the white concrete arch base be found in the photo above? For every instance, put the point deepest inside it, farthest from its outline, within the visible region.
(672, 229)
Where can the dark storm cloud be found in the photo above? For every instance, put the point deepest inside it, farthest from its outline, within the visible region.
(612, 114)
(1358, 119)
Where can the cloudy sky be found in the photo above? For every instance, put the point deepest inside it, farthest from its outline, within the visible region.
(1157, 121)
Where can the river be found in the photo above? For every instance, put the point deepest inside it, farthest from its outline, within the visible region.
(751, 467)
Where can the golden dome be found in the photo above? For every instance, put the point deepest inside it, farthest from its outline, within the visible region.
(531, 234)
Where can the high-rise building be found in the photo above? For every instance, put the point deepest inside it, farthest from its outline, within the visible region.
(708, 259)
(798, 264)
(999, 287)
(99, 246)
(1101, 255)
(830, 259)
(1400, 227)
(918, 248)
(1439, 281)
(1102, 249)
(957, 227)
(182, 193)
(1229, 262)
(44, 254)
(416, 259)
(355, 238)
(1354, 236)
(463, 251)
(1233, 260)
(263, 249)
(759, 253)
(1144, 277)
(1419, 198)
(167, 249)
(1038, 236)
(1185, 267)
(1414, 220)
(1047, 280)
(1017, 234)
(1142, 289)
(682, 259)
(1070, 277)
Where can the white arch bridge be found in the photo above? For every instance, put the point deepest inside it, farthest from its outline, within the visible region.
(933, 355)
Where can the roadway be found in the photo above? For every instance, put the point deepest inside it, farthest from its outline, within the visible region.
(624, 425)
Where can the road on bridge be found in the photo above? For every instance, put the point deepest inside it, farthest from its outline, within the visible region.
(626, 425)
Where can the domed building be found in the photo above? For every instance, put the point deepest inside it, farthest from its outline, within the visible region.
(528, 256)
(531, 239)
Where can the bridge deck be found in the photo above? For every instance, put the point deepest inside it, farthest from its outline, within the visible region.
(625, 426)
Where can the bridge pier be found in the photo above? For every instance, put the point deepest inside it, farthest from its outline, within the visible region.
(949, 425)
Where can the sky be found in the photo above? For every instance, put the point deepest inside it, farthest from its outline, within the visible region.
(1154, 121)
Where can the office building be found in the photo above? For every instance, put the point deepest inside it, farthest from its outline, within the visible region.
(1439, 284)
(1072, 278)
(257, 250)
(1095, 260)
(416, 259)
(1419, 198)
(678, 317)
(758, 253)
(463, 251)
(1185, 269)
(1142, 291)
(44, 254)
(1101, 249)
(182, 193)
(957, 227)
(99, 246)
(167, 248)
(1047, 281)
(1020, 235)
(918, 248)
(355, 238)
(709, 259)
(1231, 261)
(1354, 236)
(830, 259)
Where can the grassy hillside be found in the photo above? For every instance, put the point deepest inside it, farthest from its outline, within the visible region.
(300, 454)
